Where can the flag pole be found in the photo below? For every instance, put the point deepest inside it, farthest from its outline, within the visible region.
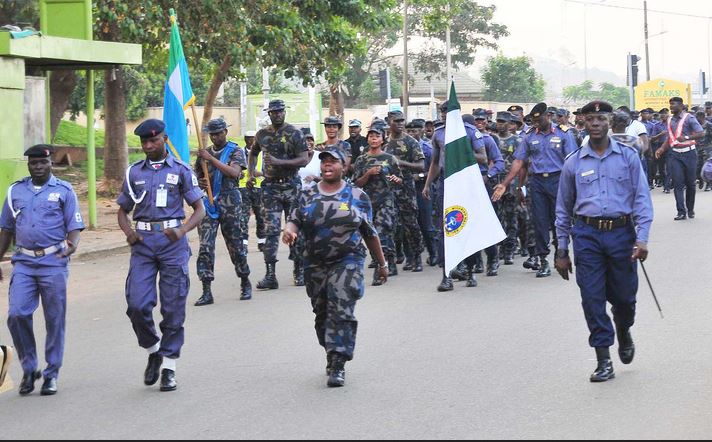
(201, 147)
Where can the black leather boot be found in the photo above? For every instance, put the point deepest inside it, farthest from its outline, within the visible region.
(460, 272)
(492, 267)
(392, 266)
(604, 371)
(446, 285)
(626, 346)
(49, 387)
(471, 279)
(509, 258)
(479, 264)
(299, 274)
(245, 289)
(408, 267)
(207, 298)
(545, 270)
(337, 375)
(27, 385)
(417, 264)
(270, 282)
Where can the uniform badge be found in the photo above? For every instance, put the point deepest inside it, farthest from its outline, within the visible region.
(455, 220)
(344, 208)
(535, 143)
(78, 217)
(54, 197)
(556, 140)
(139, 183)
(589, 173)
(195, 181)
(172, 179)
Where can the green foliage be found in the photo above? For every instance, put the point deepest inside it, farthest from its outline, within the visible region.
(512, 80)
(277, 82)
(73, 134)
(20, 13)
(585, 92)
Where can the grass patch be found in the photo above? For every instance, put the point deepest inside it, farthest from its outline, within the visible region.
(73, 134)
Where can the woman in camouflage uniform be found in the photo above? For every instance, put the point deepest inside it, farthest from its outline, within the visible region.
(334, 219)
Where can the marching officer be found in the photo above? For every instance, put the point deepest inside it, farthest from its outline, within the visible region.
(225, 161)
(509, 207)
(604, 204)
(546, 147)
(332, 127)
(155, 191)
(41, 213)
(335, 218)
(285, 152)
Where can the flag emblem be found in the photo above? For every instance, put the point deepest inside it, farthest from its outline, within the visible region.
(455, 220)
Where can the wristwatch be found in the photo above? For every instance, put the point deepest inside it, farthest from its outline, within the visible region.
(384, 267)
(687, 138)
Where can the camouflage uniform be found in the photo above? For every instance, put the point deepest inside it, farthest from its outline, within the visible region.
(229, 204)
(509, 206)
(333, 227)
(408, 149)
(252, 203)
(383, 196)
(281, 187)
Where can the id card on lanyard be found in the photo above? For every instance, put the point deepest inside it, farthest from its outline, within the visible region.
(162, 197)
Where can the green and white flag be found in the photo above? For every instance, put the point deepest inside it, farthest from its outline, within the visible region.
(471, 223)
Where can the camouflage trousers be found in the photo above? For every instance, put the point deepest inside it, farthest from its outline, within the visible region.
(509, 217)
(408, 215)
(252, 203)
(334, 291)
(231, 227)
(277, 200)
(527, 234)
(385, 218)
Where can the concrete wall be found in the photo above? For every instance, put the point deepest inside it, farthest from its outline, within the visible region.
(35, 114)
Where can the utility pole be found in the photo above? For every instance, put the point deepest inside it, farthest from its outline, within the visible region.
(243, 101)
(585, 41)
(647, 37)
(406, 97)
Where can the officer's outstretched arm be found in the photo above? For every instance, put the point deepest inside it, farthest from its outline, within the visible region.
(132, 237)
(5, 242)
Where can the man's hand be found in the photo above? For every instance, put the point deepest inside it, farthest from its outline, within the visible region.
(374, 171)
(394, 179)
(203, 154)
(640, 252)
(289, 237)
(499, 192)
(67, 252)
(271, 161)
(563, 264)
(659, 153)
(133, 237)
(426, 193)
(174, 234)
(382, 275)
(203, 183)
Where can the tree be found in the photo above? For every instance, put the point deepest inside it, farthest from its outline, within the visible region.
(586, 91)
(19, 13)
(512, 80)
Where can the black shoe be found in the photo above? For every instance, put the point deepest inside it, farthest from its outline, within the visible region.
(49, 387)
(27, 385)
(471, 279)
(691, 215)
(432, 260)
(337, 374)
(392, 267)
(417, 264)
(245, 290)
(400, 260)
(446, 285)
(523, 252)
(270, 282)
(708, 187)
(626, 347)
(408, 267)
(509, 259)
(681, 217)
(168, 380)
(493, 268)
(700, 184)
(479, 268)
(666, 191)
(545, 270)
(532, 263)
(261, 247)
(207, 298)
(604, 372)
(460, 272)
(153, 369)
(5, 362)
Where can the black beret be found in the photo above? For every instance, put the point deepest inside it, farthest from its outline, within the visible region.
(40, 151)
(539, 110)
(150, 128)
(677, 100)
(597, 107)
(216, 126)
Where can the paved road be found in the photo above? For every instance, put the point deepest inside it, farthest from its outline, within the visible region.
(506, 360)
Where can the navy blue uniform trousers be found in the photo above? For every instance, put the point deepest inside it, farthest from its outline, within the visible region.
(606, 274)
(683, 168)
(544, 192)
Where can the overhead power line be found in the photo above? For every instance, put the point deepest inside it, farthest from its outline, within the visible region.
(633, 8)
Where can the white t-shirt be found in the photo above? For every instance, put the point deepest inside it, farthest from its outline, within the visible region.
(311, 169)
(636, 129)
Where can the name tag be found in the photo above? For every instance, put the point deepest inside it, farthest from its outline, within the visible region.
(54, 197)
(534, 143)
(162, 198)
(556, 140)
(139, 183)
(172, 179)
(589, 173)
(195, 181)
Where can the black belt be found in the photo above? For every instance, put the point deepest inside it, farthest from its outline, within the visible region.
(280, 180)
(606, 224)
(548, 174)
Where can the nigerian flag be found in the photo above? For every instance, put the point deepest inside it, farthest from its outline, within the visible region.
(178, 97)
(471, 223)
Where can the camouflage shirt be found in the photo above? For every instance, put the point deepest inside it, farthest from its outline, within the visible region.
(333, 225)
(343, 146)
(378, 188)
(508, 146)
(237, 158)
(286, 143)
(406, 149)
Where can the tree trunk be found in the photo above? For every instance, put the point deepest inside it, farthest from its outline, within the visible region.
(212, 95)
(116, 152)
(61, 85)
(336, 103)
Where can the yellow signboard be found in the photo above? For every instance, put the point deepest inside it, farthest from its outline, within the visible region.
(656, 94)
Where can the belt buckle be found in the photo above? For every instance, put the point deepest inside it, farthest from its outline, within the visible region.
(545, 175)
(600, 224)
(156, 227)
(39, 254)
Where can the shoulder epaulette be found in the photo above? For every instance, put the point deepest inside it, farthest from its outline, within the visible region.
(564, 128)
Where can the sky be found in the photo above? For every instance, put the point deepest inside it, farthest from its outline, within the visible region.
(554, 29)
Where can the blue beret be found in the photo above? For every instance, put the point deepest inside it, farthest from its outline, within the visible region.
(150, 128)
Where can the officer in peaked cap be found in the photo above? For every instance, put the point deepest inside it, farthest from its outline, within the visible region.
(609, 230)
(41, 214)
(546, 148)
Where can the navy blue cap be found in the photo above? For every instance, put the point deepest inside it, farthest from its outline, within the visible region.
(379, 128)
(597, 107)
(150, 128)
(216, 126)
(39, 151)
(515, 108)
(551, 110)
(276, 105)
(480, 114)
(396, 116)
(334, 152)
(562, 113)
(504, 116)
